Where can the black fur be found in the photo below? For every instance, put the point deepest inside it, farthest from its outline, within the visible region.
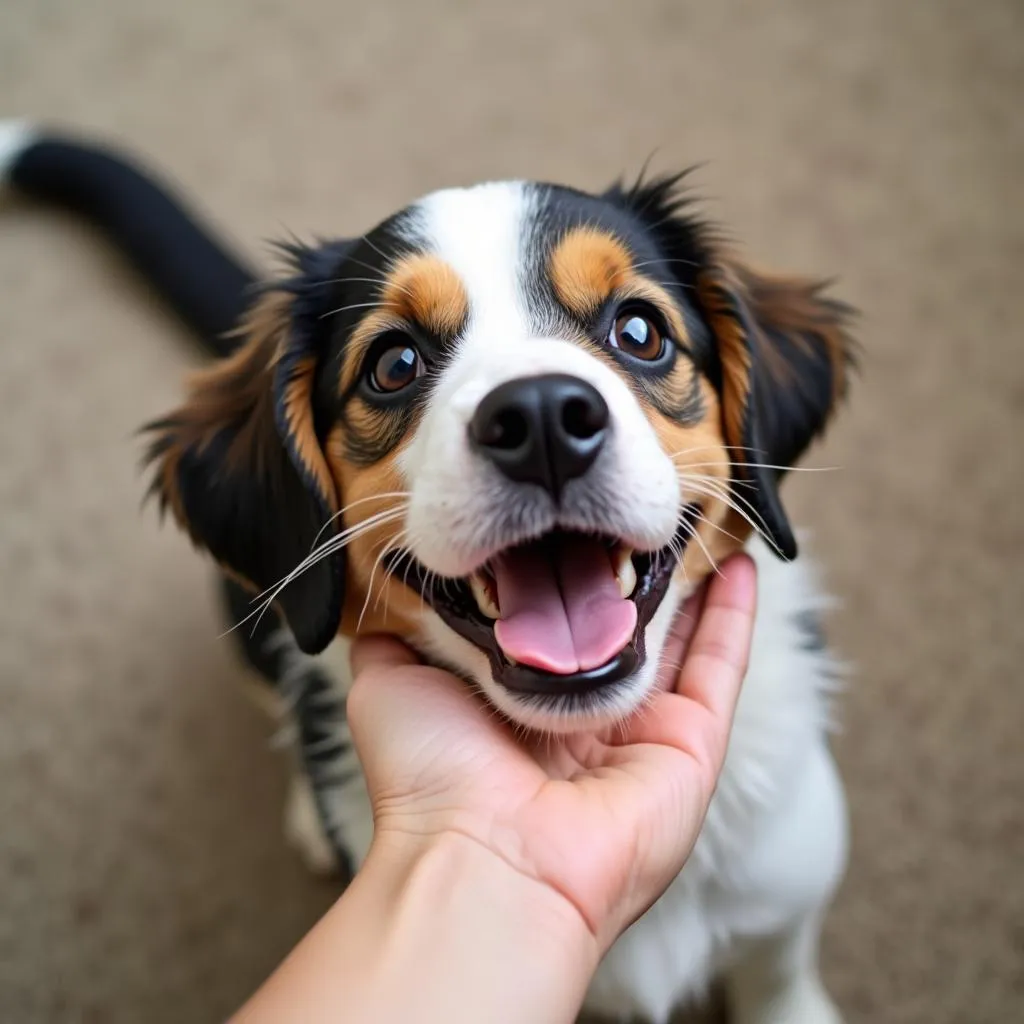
(207, 286)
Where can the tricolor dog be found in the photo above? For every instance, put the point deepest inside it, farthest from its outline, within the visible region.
(515, 424)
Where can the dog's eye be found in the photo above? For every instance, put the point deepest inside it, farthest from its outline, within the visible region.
(637, 335)
(396, 367)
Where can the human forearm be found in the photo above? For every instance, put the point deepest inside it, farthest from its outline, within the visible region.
(444, 931)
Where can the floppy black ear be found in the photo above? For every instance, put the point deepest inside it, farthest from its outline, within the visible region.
(784, 355)
(242, 468)
(782, 352)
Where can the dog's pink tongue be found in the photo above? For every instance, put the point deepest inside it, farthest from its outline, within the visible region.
(561, 609)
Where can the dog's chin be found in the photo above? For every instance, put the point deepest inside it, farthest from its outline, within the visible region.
(533, 695)
(583, 709)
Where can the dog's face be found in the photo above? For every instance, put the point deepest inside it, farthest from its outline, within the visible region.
(516, 425)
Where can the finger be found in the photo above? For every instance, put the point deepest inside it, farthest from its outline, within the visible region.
(678, 639)
(380, 651)
(716, 662)
(712, 669)
(392, 686)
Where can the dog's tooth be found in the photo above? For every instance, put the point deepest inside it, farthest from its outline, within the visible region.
(481, 591)
(625, 571)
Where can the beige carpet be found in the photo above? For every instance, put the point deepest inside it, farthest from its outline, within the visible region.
(142, 872)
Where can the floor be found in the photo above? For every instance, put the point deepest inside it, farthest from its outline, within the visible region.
(142, 872)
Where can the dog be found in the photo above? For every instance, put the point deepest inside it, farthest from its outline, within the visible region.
(516, 425)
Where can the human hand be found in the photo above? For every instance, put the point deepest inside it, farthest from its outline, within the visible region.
(604, 820)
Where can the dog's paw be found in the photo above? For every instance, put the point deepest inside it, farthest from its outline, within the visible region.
(304, 831)
(802, 1003)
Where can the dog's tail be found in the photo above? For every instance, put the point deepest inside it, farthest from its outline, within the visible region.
(207, 286)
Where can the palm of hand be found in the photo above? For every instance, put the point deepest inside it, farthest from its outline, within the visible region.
(605, 820)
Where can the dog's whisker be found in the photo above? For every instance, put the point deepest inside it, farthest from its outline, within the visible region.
(408, 566)
(381, 281)
(715, 526)
(677, 259)
(381, 550)
(340, 540)
(753, 451)
(716, 448)
(345, 309)
(369, 586)
(390, 544)
(760, 527)
(369, 266)
(390, 259)
(721, 490)
(352, 504)
(724, 491)
(695, 535)
(400, 539)
(424, 587)
(756, 465)
(267, 597)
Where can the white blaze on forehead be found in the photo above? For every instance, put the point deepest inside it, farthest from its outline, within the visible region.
(479, 232)
(457, 497)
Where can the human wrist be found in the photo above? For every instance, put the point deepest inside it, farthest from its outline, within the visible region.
(468, 932)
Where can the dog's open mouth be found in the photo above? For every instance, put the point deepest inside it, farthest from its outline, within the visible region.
(564, 614)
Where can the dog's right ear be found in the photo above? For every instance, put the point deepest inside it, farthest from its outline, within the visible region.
(242, 469)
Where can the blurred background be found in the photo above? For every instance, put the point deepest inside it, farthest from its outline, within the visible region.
(143, 876)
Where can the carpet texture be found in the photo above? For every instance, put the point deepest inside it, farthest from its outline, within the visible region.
(142, 872)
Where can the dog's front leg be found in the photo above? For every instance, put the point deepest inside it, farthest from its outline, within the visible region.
(777, 981)
(328, 818)
(774, 978)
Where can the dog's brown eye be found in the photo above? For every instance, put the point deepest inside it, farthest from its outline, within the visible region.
(396, 368)
(637, 336)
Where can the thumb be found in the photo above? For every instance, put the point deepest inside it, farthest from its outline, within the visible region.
(379, 652)
(405, 715)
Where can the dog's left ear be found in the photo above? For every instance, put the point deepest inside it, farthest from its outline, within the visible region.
(242, 467)
(784, 355)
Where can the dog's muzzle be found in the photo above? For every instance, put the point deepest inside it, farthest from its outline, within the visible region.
(561, 612)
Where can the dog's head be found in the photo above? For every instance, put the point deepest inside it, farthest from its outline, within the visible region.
(515, 424)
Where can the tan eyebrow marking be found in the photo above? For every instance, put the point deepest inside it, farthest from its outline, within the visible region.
(588, 266)
(420, 288)
(585, 268)
(424, 289)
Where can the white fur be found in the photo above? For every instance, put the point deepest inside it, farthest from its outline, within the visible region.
(15, 138)
(749, 901)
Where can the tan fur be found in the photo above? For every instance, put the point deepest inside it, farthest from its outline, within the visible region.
(237, 392)
(297, 410)
(794, 306)
(391, 606)
(589, 266)
(733, 354)
(700, 449)
(586, 267)
(423, 289)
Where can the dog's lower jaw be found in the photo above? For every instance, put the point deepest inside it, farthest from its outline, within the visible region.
(556, 714)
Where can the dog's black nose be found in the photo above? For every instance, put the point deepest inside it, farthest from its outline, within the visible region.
(541, 430)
